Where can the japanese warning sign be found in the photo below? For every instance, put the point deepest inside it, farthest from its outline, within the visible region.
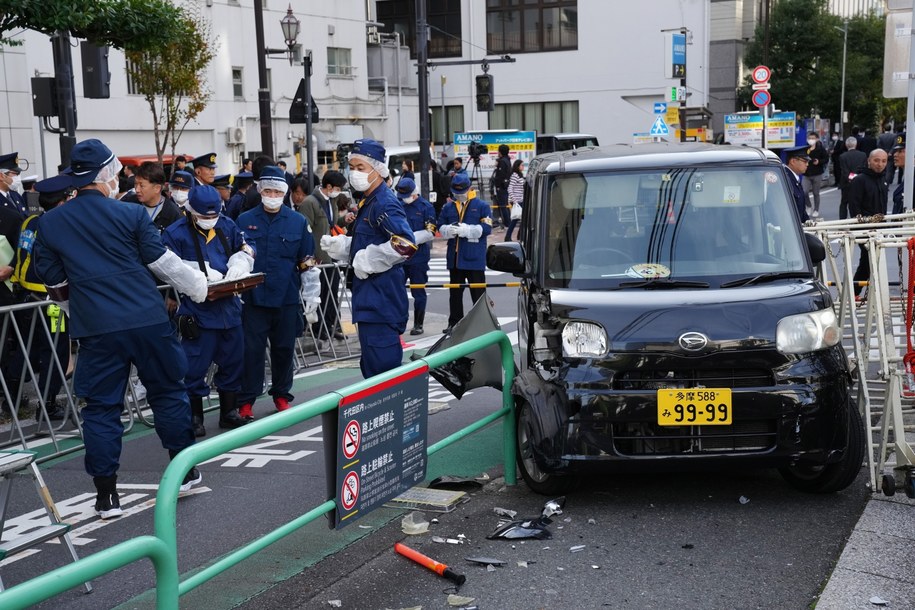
(381, 443)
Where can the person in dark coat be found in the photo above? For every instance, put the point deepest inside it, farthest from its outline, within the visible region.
(149, 184)
(795, 166)
(867, 197)
(851, 162)
(813, 177)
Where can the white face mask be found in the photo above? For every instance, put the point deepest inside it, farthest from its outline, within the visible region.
(17, 184)
(360, 180)
(272, 204)
(112, 187)
(180, 197)
(206, 223)
(462, 197)
(811, 141)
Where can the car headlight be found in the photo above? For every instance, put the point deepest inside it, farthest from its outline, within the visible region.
(583, 340)
(807, 332)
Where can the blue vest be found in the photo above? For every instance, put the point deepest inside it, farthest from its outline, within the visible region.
(463, 253)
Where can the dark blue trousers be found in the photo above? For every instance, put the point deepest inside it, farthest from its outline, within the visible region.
(381, 349)
(418, 274)
(102, 372)
(280, 325)
(225, 347)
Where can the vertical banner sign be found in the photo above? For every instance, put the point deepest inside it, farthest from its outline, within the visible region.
(678, 56)
(381, 443)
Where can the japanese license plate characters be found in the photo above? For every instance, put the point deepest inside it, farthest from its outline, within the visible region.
(695, 406)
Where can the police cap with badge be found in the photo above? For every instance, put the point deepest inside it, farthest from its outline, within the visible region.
(460, 184)
(899, 142)
(799, 152)
(207, 160)
(182, 179)
(223, 181)
(10, 163)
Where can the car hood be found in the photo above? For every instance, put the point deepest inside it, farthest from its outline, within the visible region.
(654, 320)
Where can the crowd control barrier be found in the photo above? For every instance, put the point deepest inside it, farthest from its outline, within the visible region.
(162, 548)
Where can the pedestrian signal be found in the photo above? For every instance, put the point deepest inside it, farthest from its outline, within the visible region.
(485, 100)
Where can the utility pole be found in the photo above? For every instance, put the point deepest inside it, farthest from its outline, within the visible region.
(263, 93)
(683, 89)
(425, 129)
(66, 102)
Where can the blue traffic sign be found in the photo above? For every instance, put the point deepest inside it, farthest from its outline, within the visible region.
(659, 128)
(761, 98)
(660, 108)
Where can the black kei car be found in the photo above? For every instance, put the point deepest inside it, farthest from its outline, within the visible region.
(669, 315)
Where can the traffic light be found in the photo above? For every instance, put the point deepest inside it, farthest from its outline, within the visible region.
(485, 100)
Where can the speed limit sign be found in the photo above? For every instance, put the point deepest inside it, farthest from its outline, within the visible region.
(761, 74)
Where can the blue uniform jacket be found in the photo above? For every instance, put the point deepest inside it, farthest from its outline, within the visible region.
(463, 253)
(221, 313)
(419, 214)
(102, 246)
(282, 241)
(381, 297)
(797, 192)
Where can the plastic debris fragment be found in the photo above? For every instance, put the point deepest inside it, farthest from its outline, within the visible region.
(414, 523)
(504, 512)
(459, 600)
(879, 601)
(490, 568)
(688, 546)
(434, 521)
(455, 483)
(596, 567)
(744, 500)
(486, 561)
(576, 548)
(522, 564)
(335, 603)
(531, 528)
(441, 540)
(592, 522)
(553, 507)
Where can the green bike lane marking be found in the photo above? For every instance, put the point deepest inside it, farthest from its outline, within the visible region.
(309, 545)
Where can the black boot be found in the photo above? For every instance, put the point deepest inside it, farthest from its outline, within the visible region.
(418, 317)
(107, 503)
(228, 411)
(197, 415)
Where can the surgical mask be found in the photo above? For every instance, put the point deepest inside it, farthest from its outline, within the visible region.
(462, 197)
(811, 141)
(112, 186)
(206, 223)
(333, 194)
(360, 180)
(180, 197)
(272, 204)
(17, 184)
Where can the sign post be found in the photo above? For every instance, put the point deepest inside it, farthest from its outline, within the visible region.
(761, 96)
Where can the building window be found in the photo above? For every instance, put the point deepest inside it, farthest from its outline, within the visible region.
(542, 117)
(238, 85)
(454, 122)
(531, 26)
(131, 84)
(443, 17)
(339, 62)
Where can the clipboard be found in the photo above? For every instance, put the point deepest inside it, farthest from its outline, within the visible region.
(228, 288)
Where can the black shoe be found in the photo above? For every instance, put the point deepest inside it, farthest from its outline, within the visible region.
(417, 330)
(190, 479)
(199, 429)
(108, 506)
(232, 420)
(55, 411)
(339, 336)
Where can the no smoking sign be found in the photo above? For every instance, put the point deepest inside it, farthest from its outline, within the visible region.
(352, 436)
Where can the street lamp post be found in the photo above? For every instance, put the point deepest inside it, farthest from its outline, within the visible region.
(844, 31)
(263, 92)
(291, 27)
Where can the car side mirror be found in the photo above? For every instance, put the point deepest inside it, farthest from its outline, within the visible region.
(816, 248)
(507, 257)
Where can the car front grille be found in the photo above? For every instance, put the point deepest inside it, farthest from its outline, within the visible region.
(639, 439)
(658, 379)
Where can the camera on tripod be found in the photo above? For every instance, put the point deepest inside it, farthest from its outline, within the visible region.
(475, 150)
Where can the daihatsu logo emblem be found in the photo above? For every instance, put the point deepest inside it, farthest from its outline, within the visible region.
(693, 342)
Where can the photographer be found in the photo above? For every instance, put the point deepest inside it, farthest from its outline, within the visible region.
(500, 179)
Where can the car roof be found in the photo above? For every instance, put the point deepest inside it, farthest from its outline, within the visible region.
(567, 136)
(655, 154)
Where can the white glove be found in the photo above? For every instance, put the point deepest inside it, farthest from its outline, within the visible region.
(212, 274)
(462, 229)
(182, 277)
(311, 286)
(375, 259)
(311, 312)
(337, 247)
(422, 237)
(240, 265)
(448, 231)
(473, 232)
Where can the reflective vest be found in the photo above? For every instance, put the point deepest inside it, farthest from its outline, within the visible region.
(23, 274)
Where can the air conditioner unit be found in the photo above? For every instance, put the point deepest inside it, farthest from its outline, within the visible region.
(235, 135)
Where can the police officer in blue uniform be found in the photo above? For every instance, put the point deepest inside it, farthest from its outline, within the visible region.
(465, 222)
(9, 177)
(421, 217)
(94, 255)
(179, 187)
(285, 253)
(211, 331)
(796, 160)
(204, 169)
(899, 161)
(382, 240)
(240, 185)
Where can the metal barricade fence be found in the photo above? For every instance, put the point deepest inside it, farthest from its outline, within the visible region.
(874, 331)
(26, 328)
(162, 548)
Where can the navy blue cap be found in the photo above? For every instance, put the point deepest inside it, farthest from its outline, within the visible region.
(207, 160)
(243, 176)
(899, 142)
(205, 200)
(223, 181)
(272, 172)
(183, 179)
(86, 159)
(799, 152)
(10, 162)
(405, 188)
(460, 184)
(368, 148)
(55, 184)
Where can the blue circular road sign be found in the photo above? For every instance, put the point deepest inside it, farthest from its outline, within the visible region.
(761, 98)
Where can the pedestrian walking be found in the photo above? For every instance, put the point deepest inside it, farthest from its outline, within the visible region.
(813, 177)
(515, 196)
(500, 178)
(94, 255)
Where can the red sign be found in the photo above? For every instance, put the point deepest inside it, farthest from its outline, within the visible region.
(761, 98)
(352, 435)
(761, 74)
(349, 493)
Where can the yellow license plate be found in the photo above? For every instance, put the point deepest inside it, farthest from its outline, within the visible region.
(695, 407)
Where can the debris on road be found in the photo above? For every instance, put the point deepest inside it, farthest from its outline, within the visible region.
(427, 562)
(415, 523)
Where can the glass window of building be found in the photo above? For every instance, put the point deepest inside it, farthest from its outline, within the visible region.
(453, 122)
(339, 61)
(238, 85)
(542, 117)
(513, 26)
(443, 17)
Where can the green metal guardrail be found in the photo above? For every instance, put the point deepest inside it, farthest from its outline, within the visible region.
(162, 548)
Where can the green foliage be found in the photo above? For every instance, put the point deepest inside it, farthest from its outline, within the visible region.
(171, 76)
(123, 24)
(805, 55)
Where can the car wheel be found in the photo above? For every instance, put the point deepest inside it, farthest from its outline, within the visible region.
(837, 476)
(528, 430)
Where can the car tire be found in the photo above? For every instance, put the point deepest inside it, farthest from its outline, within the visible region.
(528, 429)
(832, 477)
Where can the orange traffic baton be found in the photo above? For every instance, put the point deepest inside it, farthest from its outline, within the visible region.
(427, 562)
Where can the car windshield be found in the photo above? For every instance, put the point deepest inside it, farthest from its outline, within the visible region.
(714, 226)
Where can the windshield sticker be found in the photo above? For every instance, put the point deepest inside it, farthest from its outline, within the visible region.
(666, 178)
(771, 178)
(732, 194)
(648, 271)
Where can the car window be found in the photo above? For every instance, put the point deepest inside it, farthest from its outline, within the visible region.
(687, 223)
